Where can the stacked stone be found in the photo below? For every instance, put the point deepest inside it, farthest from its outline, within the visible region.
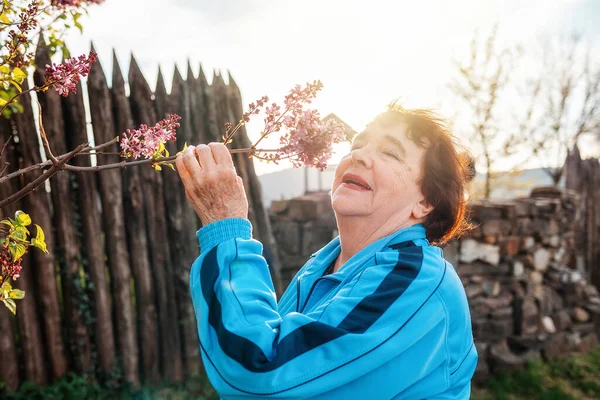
(301, 226)
(525, 280)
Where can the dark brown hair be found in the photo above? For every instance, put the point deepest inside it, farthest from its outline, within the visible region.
(446, 170)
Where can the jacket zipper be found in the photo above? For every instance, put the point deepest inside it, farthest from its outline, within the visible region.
(311, 290)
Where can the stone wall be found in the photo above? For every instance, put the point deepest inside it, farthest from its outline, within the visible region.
(301, 226)
(522, 267)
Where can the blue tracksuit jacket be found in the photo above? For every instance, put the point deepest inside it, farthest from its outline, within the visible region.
(392, 323)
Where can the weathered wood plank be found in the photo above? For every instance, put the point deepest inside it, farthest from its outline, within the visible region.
(113, 219)
(37, 205)
(147, 315)
(143, 111)
(88, 200)
(179, 101)
(208, 101)
(67, 246)
(9, 373)
(30, 336)
(172, 191)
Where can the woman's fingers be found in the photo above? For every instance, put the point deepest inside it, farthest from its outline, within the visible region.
(183, 174)
(190, 162)
(205, 157)
(221, 154)
(211, 184)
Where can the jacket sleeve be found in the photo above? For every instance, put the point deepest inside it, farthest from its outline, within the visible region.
(250, 349)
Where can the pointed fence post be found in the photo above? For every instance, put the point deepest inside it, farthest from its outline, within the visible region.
(9, 372)
(174, 219)
(143, 111)
(91, 241)
(67, 248)
(37, 205)
(113, 218)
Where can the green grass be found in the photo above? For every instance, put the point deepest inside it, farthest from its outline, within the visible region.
(576, 377)
(75, 387)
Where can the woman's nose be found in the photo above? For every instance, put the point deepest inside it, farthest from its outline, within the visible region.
(362, 157)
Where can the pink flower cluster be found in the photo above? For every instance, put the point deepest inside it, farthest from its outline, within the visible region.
(10, 269)
(74, 3)
(145, 141)
(308, 140)
(17, 40)
(64, 77)
(254, 108)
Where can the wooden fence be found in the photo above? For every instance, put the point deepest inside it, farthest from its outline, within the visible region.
(583, 176)
(111, 298)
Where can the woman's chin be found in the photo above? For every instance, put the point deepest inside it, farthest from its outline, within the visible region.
(346, 206)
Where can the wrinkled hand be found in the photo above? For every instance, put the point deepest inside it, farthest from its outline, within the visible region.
(211, 183)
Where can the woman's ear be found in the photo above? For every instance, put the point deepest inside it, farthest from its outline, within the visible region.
(422, 209)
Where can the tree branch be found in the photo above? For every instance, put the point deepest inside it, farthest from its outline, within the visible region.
(42, 178)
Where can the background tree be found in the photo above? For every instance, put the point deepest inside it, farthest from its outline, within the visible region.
(563, 101)
(480, 82)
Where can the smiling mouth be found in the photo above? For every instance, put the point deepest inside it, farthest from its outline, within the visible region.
(353, 182)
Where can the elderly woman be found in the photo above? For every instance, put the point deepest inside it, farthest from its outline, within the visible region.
(377, 313)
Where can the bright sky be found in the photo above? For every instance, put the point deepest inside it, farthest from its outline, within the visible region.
(366, 53)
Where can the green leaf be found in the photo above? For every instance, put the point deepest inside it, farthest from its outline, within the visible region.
(40, 244)
(10, 304)
(2, 102)
(23, 218)
(16, 84)
(182, 150)
(17, 251)
(19, 75)
(20, 233)
(5, 69)
(16, 294)
(5, 289)
(170, 166)
(39, 233)
(5, 19)
(7, 222)
(76, 22)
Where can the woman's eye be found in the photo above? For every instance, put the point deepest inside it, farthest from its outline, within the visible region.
(391, 154)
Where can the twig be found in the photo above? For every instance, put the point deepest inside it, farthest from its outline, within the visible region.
(25, 170)
(45, 139)
(270, 131)
(4, 147)
(4, 168)
(48, 163)
(42, 178)
(19, 94)
(125, 164)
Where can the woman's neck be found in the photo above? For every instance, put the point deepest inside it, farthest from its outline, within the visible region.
(356, 233)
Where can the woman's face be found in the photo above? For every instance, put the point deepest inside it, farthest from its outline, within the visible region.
(380, 177)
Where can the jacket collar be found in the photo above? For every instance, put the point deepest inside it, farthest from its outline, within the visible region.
(328, 254)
